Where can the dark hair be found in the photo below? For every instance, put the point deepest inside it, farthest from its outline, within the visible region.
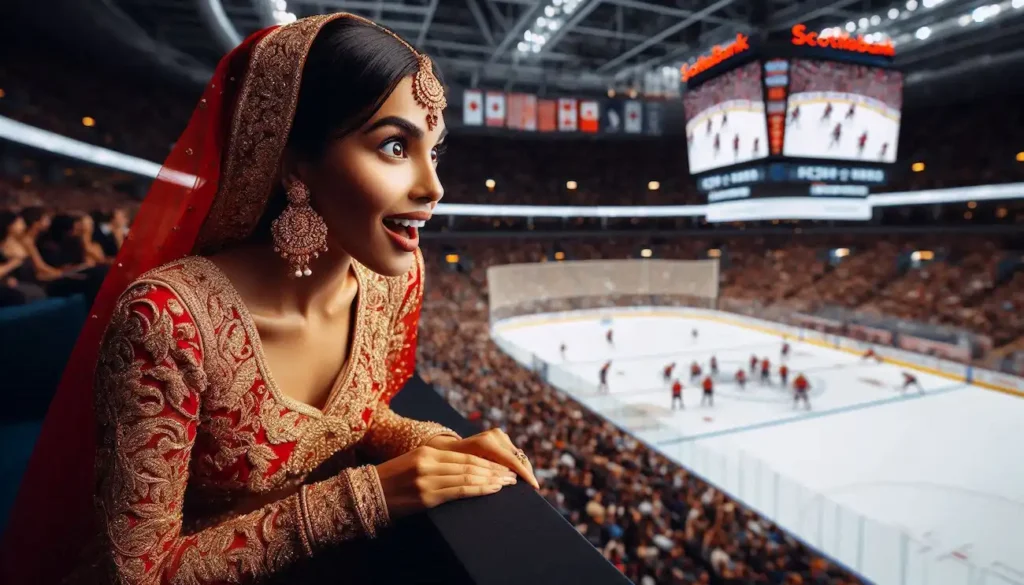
(101, 217)
(351, 69)
(7, 219)
(31, 215)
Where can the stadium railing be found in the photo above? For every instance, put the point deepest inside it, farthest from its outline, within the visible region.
(511, 537)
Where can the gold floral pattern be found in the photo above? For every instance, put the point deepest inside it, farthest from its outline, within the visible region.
(184, 400)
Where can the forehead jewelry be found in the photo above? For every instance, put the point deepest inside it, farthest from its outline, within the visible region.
(426, 87)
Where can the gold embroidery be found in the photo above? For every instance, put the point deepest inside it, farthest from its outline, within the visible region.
(392, 435)
(345, 507)
(259, 131)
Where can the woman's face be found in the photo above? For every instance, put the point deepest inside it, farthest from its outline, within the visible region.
(16, 229)
(376, 176)
(84, 226)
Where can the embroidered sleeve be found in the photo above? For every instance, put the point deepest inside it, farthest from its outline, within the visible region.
(390, 434)
(149, 386)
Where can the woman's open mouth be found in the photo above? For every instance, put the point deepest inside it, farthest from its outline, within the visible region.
(404, 232)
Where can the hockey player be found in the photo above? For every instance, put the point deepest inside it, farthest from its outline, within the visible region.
(800, 388)
(784, 374)
(677, 394)
(667, 371)
(714, 366)
(694, 371)
(766, 371)
(741, 379)
(709, 392)
(911, 380)
(602, 387)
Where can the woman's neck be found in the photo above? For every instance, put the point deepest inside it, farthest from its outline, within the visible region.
(264, 280)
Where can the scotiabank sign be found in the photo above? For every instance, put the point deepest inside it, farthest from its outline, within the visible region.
(842, 42)
(718, 54)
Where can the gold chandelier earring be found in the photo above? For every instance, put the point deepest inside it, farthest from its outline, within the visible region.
(300, 234)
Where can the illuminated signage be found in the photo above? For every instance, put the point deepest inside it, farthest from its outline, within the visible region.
(717, 55)
(841, 42)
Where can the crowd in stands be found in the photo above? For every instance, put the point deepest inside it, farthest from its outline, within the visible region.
(43, 254)
(743, 83)
(883, 85)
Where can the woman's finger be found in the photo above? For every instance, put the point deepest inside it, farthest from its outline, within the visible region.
(503, 451)
(442, 482)
(461, 492)
(464, 458)
(467, 469)
(523, 465)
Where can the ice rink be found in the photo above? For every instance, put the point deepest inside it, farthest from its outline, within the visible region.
(743, 119)
(943, 466)
(811, 134)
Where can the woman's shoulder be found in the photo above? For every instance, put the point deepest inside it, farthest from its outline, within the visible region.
(190, 282)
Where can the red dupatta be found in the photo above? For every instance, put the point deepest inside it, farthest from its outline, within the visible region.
(211, 191)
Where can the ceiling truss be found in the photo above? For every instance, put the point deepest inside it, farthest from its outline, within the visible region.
(604, 44)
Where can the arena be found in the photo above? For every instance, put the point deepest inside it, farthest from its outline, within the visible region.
(512, 291)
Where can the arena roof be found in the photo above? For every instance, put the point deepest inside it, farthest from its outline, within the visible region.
(582, 46)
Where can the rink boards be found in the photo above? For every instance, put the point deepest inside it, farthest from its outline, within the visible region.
(902, 488)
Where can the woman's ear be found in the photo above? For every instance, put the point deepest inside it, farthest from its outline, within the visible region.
(292, 169)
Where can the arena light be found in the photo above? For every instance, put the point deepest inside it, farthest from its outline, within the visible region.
(862, 23)
(452, 258)
(646, 253)
(920, 255)
(875, 20)
(1017, 4)
(489, 183)
(923, 33)
(2, 94)
(894, 13)
(968, 215)
(911, 5)
(1020, 155)
(851, 26)
(972, 204)
(559, 255)
(653, 186)
(88, 122)
(917, 167)
(1001, 212)
(841, 252)
(714, 253)
(965, 20)
(571, 185)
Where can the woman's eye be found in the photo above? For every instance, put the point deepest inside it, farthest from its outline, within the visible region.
(434, 155)
(393, 148)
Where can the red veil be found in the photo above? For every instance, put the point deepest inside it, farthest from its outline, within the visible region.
(211, 191)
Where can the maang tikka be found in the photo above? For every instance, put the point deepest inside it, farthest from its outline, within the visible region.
(300, 234)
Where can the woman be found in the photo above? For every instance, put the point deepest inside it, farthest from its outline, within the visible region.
(16, 273)
(232, 376)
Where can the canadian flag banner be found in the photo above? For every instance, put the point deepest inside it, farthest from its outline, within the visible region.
(495, 104)
(567, 114)
(589, 116)
(634, 112)
(473, 107)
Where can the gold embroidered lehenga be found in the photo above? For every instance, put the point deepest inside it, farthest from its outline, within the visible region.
(203, 465)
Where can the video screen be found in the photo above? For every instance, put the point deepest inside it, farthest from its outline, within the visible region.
(843, 111)
(725, 121)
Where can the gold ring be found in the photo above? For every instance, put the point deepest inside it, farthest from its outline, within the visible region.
(521, 455)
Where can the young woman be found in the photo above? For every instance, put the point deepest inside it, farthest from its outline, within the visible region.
(258, 320)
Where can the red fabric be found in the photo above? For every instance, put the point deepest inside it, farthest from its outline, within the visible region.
(53, 516)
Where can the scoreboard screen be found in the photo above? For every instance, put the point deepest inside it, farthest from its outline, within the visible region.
(725, 120)
(842, 111)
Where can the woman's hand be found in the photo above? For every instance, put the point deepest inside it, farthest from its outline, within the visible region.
(427, 477)
(493, 445)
